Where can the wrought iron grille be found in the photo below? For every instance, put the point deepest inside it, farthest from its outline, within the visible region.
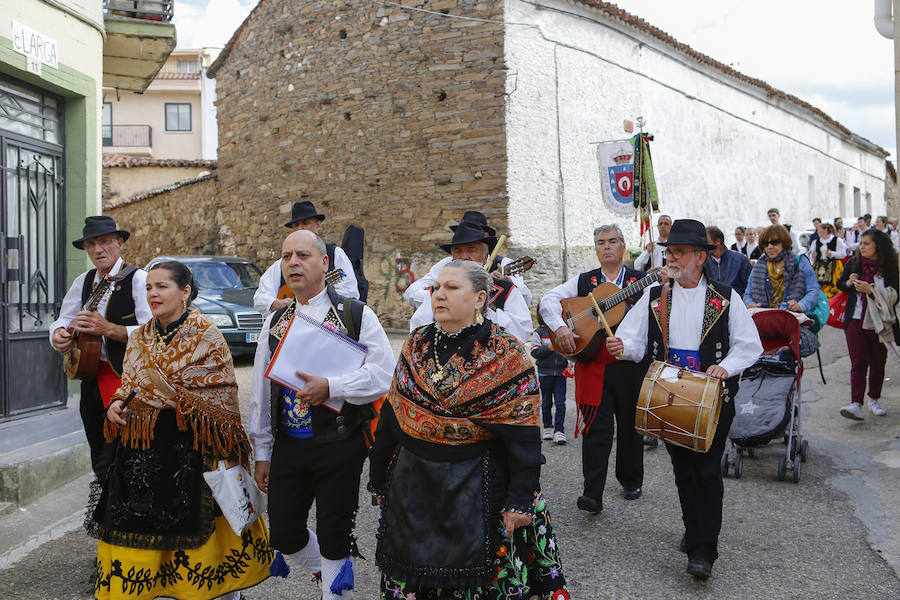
(150, 10)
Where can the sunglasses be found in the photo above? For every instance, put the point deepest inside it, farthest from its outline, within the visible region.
(770, 243)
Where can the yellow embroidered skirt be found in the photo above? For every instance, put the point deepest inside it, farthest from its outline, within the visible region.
(224, 563)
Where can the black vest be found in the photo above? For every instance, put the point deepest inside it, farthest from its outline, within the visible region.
(714, 341)
(119, 310)
(327, 425)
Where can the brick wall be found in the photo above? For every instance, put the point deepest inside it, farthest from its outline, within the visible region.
(178, 221)
(383, 117)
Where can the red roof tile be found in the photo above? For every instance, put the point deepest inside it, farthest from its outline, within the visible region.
(174, 75)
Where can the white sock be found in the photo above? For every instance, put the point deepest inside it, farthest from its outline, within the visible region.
(308, 557)
(330, 570)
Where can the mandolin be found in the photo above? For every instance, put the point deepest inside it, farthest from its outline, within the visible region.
(520, 265)
(331, 278)
(83, 360)
(581, 317)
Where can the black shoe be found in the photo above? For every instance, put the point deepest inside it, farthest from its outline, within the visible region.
(682, 545)
(633, 494)
(700, 568)
(651, 442)
(588, 504)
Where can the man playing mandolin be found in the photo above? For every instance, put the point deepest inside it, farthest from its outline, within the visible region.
(118, 312)
(603, 387)
(702, 325)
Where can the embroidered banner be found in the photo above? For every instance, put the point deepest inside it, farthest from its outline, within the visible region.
(616, 161)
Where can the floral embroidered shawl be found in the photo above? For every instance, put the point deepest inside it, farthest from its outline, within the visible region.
(489, 380)
(194, 376)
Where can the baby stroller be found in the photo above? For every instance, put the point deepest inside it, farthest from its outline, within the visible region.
(767, 404)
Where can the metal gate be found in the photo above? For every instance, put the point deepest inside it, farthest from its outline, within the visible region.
(32, 227)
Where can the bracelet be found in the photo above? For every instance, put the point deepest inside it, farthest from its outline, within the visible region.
(518, 510)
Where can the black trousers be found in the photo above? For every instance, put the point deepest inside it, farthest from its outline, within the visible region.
(92, 416)
(302, 471)
(621, 384)
(698, 476)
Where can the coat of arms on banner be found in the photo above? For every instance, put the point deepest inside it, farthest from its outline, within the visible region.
(616, 161)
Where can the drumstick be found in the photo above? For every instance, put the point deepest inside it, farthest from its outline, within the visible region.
(602, 318)
(129, 398)
(493, 255)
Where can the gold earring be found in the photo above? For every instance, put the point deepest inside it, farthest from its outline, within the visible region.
(479, 318)
(184, 304)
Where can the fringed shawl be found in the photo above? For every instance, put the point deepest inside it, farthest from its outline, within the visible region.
(488, 381)
(194, 376)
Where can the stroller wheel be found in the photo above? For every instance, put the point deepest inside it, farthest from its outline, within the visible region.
(782, 467)
(724, 464)
(804, 450)
(797, 470)
(738, 466)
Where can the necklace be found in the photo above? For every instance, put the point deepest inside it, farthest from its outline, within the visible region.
(163, 340)
(439, 333)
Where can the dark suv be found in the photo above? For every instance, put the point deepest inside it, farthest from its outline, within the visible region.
(225, 288)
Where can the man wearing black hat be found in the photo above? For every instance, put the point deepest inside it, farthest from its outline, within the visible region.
(506, 306)
(415, 294)
(706, 328)
(119, 313)
(303, 216)
(604, 389)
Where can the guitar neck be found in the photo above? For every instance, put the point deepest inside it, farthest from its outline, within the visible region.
(629, 291)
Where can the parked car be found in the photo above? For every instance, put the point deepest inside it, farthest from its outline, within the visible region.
(225, 288)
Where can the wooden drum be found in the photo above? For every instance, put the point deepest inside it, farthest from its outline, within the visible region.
(679, 406)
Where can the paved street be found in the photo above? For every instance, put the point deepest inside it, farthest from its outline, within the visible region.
(836, 534)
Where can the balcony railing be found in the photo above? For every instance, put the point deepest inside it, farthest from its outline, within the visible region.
(127, 135)
(150, 10)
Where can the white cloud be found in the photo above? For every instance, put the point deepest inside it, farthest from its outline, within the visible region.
(209, 22)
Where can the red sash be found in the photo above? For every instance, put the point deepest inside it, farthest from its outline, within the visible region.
(589, 388)
(108, 382)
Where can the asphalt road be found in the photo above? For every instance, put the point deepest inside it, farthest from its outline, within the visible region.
(826, 537)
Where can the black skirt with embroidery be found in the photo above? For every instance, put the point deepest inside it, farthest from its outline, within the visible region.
(154, 499)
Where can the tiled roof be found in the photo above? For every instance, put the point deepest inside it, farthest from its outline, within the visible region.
(611, 10)
(121, 160)
(175, 75)
(168, 188)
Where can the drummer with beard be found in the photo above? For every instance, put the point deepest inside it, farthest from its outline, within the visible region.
(709, 330)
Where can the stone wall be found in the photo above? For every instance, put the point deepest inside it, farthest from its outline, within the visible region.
(181, 220)
(384, 117)
(120, 184)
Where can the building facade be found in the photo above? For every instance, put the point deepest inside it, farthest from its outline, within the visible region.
(55, 58)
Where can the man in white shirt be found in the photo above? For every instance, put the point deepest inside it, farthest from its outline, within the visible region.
(273, 293)
(881, 224)
(120, 311)
(418, 290)
(604, 389)
(307, 450)
(506, 308)
(652, 256)
(774, 217)
(708, 329)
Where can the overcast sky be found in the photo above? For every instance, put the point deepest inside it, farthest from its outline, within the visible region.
(826, 52)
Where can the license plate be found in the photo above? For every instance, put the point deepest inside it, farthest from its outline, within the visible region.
(252, 337)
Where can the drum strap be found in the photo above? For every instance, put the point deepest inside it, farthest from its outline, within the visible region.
(664, 319)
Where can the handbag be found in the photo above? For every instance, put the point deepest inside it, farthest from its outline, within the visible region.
(819, 313)
(836, 307)
(236, 493)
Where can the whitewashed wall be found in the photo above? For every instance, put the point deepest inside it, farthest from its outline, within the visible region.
(723, 152)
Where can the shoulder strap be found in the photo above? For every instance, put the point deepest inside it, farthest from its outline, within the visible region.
(126, 270)
(664, 317)
(354, 308)
(329, 250)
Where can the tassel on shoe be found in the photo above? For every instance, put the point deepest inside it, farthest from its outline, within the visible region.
(279, 567)
(344, 579)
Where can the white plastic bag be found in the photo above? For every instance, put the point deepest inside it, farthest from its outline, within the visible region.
(236, 494)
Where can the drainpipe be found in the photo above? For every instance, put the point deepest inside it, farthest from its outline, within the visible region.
(885, 25)
(884, 22)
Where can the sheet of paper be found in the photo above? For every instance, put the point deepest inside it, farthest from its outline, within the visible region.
(313, 348)
(669, 374)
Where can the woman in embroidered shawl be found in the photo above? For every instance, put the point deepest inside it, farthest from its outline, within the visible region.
(456, 460)
(160, 531)
(779, 279)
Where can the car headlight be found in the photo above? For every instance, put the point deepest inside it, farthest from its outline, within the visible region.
(220, 319)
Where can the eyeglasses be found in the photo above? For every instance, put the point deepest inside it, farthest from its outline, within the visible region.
(769, 243)
(676, 253)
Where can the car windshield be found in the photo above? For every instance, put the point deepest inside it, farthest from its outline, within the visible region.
(224, 275)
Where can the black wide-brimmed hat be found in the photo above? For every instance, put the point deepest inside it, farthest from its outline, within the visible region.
(97, 226)
(688, 232)
(303, 210)
(466, 233)
(473, 217)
